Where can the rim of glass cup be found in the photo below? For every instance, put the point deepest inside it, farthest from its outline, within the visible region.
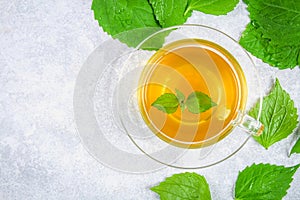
(225, 130)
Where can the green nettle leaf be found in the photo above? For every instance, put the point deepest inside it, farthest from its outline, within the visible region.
(167, 103)
(180, 96)
(278, 115)
(184, 186)
(273, 33)
(198, 102)
(264, 182)
(296, 147)
(214, 7)
(170, 12)
(131, 21)
(281, 56)
(278, 19)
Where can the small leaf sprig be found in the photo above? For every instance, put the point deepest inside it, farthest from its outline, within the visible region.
(197, 102)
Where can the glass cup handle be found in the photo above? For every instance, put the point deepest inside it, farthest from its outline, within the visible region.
(250, 125)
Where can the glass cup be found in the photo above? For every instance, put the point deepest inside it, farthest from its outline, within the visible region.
(114, 92)
(193, 58)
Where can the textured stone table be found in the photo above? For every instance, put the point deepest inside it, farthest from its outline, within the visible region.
(43, 46)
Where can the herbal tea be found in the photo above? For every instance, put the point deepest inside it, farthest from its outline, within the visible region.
(190, 91)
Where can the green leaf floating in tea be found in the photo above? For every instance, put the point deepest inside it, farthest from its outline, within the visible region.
(180, 97)
(167, 103)
(197, 102)
(188, 186)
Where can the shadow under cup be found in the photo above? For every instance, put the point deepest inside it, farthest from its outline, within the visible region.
(193, 58)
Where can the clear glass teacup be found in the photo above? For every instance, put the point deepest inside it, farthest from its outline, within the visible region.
(214, 82)
(209, 79)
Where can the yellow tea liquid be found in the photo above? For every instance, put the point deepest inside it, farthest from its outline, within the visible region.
(192, 65)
